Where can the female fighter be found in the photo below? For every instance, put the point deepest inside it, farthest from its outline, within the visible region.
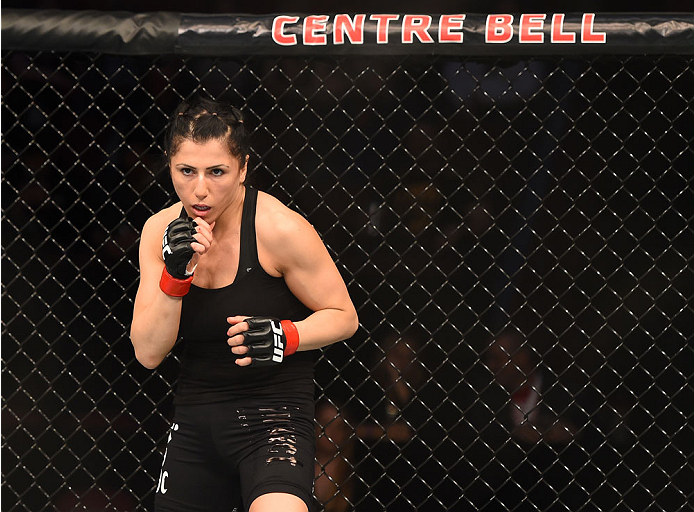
(251, 290)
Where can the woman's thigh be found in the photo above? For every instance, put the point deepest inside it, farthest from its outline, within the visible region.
(280, 450)
(193, 478)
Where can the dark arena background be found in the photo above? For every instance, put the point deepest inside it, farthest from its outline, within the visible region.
(510, 204)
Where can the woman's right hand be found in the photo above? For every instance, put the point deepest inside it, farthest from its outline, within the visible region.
(176, 246)
(203, 240)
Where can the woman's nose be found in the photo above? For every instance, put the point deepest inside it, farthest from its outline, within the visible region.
(201, 187)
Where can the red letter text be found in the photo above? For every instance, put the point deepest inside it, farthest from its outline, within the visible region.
(312, 25)
(558, 34)
(529, 24)
(382, 28)
(587, 34)
(344, 26)
(278, 30)
(499, 29)
(418, 26)
(449, 22)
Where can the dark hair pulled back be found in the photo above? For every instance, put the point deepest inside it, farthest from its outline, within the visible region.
(201, 120)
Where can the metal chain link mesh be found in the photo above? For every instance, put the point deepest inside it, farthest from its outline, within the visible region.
(516, 234)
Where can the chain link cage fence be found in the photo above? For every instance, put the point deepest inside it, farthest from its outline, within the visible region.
(515, 232)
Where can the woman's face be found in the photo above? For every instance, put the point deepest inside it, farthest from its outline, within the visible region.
(207, 178)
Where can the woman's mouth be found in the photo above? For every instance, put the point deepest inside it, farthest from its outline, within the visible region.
(201, 209)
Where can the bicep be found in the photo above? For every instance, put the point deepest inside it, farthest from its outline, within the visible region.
(151, 264)
(311, 274)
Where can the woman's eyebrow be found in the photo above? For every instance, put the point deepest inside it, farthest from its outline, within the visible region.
(183, 164)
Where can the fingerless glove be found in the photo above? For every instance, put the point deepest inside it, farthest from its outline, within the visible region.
(269, 340)
(177, 252)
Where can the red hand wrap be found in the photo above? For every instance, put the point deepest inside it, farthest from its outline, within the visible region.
(292, 336)
(172, 286)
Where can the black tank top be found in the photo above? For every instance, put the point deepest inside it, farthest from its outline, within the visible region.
(208, 372)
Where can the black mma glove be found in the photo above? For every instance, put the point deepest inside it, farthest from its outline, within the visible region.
(177, 252)
(269, 340)
(176, 247)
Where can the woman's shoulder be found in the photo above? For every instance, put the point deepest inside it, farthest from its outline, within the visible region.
(273, 213)
(276, 222)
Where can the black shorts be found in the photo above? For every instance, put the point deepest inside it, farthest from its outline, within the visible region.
(224, 455)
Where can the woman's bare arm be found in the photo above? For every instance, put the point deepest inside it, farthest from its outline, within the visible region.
(156, 315)
(290, 247)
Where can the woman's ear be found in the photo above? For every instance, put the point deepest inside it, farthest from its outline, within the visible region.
(244, 171)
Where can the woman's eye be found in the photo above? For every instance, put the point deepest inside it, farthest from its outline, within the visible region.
(217, 172)
(186, 171)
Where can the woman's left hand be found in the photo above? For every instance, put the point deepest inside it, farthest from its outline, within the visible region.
(235, 340)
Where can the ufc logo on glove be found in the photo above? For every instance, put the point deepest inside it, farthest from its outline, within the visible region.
(269, 340)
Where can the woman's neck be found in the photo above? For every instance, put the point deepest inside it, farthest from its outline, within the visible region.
(230, 219)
